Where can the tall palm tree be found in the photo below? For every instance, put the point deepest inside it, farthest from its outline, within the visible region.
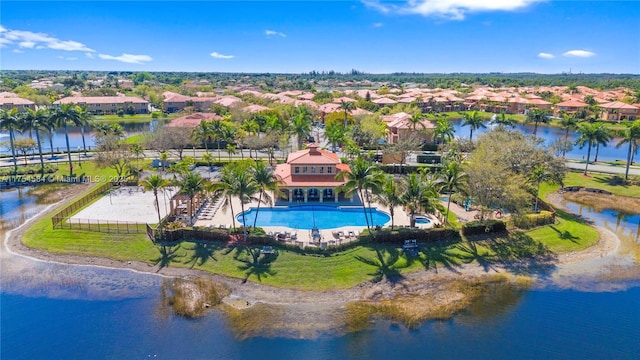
(51, 124)
(538, 175)
(245, 189)
(630, 136)
(537, 116)
(301, 126)
(419, 194)
(191, 184)
(390, 195)
(267, 181)
(155, 183)
(83, 119)
(452, 179)
(604, 136)
(474, 121)
(588, 135)
(64, 114)
(416, 119)
(568, 121)
(443, 130)
(203, 133)
(346, 106)
(216, 128)
(360, 179)
(35, 120)
(225, 188)
(10, 122)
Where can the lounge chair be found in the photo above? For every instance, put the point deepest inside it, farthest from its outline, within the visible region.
(294, 236)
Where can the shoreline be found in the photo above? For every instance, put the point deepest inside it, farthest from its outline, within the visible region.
(243, 295)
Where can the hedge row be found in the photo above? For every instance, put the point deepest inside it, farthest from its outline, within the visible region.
(483, 227)
(28, 170)
(532, 220)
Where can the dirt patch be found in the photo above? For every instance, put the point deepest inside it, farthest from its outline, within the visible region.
(603, 201)
(192, 298)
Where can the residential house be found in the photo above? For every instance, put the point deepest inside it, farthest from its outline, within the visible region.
(618, 111)
(10, 100)
(105, 105)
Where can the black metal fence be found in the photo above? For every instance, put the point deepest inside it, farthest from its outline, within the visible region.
(62, 220)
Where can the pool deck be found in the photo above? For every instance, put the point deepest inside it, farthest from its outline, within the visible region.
(221, 216)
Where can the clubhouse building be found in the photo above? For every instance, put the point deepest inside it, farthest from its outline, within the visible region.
(310, 176)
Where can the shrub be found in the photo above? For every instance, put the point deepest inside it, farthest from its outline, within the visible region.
(532, 220)
(483, 227)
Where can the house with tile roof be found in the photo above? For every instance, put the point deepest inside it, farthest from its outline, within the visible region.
(310, 176)
(193, 120)
(10, 100)
(569, 107)
(618, 111)
(106, 105)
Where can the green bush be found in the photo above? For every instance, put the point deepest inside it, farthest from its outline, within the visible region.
(532, 220)
(28, 170)
(483, 227)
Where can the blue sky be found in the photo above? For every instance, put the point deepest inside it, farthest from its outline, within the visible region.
(299, 36)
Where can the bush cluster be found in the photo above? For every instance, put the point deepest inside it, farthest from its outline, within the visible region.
(532, 220)
(28, 170)
(483, 227)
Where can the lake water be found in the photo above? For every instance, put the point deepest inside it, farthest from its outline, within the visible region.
(68, 312)
(75, 136)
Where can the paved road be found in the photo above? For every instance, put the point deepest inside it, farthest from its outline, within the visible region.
(603, 168)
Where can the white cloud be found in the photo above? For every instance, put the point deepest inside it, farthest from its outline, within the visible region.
(274, 33)
(27, 44)
(90, 55)
(30, 40)
(4, 42)
(220, 56)
(544, 55)
(579, 53)
(377, 25)
(17, 51)
(127, 58)
(449, 9)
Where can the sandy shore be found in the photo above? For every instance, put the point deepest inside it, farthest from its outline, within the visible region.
(247, 294)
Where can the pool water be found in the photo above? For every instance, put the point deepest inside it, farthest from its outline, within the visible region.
(422, 220)
(322, 217)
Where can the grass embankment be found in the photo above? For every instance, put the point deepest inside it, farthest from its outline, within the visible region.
(129, 119)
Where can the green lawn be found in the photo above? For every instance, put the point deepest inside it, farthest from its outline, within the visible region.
(599, 181)
(567, 234)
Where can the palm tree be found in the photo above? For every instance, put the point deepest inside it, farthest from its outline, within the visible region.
(390, 195)
(83, 119)
(203, 133)
(537, 116)
(604, 136)
(266, 180)
(155, 183)
(64, 114)
(361, 178)
(35, 120)
(191, 184)
(245, 189)
(588, 135)
(416, 119)
(346, 107)
(452, 179)
(631, 135)
(51, 123)
(443, 130)
(474, 121)
(225, 188)
(216, 128)
(419, 194)
(568, 121)
(335, 134)
(138, 151)
(10, 121)
(503, 121)
(538, 175)
(301, 126)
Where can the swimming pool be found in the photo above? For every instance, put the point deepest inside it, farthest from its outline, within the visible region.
(422, 220)
(305, 217)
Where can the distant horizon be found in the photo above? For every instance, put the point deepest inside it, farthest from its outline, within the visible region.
(324, 72)
(295, 37)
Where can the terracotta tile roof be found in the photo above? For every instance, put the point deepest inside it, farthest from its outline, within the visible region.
(384, 101)
(618, 105)
(343, 98)
(406, 100)
(306, 96)
(307, 103)
(11, 98)
(255, 108)
(227, 100)
(396, 116)
(250, 92)
(100, 100)
(572, 103)
(359, 111)
(313, 155)
(329, 107)
(539, 102)
(193, 120)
